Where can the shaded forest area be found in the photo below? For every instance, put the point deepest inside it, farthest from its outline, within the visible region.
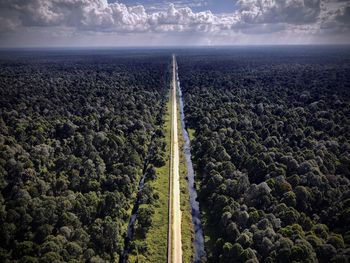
(75, 133)
(272, 151)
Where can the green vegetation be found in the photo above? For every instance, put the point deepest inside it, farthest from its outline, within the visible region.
(271, 152)
(209, 230)
(186, 216)
(156, 238)
(270, 137)
(75, 135)
(191, 133)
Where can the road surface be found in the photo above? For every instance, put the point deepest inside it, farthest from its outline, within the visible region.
(175, 246)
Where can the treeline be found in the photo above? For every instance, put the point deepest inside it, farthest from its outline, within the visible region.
(271, 152)
(75, 132)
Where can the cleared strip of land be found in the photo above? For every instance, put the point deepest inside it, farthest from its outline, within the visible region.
(174, 240)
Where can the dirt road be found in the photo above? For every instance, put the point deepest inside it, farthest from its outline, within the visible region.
(175, 211)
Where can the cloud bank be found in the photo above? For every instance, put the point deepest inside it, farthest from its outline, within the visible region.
(283, 20)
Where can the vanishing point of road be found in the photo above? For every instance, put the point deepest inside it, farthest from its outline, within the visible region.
(174, 231)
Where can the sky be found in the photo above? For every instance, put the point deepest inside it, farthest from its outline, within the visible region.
(112, 23)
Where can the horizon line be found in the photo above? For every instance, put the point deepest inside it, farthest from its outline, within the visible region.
(168, 46)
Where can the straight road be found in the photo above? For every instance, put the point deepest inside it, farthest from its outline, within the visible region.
(174, 238)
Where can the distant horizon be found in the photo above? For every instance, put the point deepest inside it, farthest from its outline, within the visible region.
(169, 46)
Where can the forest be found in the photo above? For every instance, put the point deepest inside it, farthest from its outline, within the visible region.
(270, 144)
(271, 150)
(77, 131)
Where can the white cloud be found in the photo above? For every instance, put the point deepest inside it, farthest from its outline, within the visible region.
(343, 15)
(279, 11)
(99, 15)
(252, 17)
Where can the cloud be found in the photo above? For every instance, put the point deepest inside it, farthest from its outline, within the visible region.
(183, 19)
(8, 25)
(251, 17)
(343, 15)
(101, 15)
(279, 11)
(334, 19)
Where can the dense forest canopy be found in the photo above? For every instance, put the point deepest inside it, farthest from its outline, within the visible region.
(272, 151)
(75, 131)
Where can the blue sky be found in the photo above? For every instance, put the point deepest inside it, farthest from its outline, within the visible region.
(96, 23)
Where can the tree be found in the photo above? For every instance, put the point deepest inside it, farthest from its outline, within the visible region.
(144, 219)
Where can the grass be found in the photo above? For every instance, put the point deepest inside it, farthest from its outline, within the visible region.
(191, 133)
(156, 237)
(187, 232)
(209, 231)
